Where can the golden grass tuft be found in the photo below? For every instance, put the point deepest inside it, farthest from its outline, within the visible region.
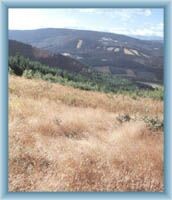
(65, 139)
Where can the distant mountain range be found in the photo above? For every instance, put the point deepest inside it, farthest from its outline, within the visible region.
(153, 38)
(132, 58)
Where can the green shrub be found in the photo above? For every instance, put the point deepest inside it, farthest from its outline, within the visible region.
(28, 74)
(37, 74)
(153, 123)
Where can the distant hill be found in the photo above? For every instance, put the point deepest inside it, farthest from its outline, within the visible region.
(45, 57)
(128, 57)
(153, 38)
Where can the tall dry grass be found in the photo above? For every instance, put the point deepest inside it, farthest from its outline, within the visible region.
(65, 139)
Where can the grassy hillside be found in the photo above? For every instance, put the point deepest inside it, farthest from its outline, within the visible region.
(67, 139)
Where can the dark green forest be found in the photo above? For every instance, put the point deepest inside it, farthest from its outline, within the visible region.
(90, 80)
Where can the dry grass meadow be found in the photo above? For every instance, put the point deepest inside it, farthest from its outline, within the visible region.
(66, 139)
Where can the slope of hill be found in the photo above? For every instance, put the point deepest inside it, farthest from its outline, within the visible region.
(45, 57)
(112, 53)
(66, 139)
(152, 38)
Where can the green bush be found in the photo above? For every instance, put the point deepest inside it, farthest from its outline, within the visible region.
(153, 123)
(28, 74)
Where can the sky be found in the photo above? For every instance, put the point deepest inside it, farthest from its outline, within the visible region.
(133, 21)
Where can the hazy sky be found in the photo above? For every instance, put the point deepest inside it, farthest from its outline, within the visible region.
(142, 22)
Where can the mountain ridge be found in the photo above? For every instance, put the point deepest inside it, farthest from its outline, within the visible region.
(45, 57)
(106, 52)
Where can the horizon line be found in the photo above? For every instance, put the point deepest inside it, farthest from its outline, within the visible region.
(78, 29)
